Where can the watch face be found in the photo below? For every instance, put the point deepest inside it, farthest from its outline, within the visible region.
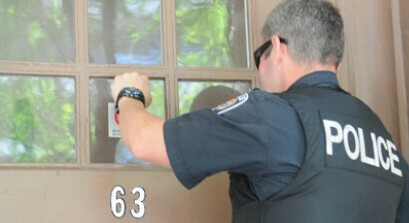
(131, 92)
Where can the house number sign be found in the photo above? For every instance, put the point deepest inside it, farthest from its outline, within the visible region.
(119, 206)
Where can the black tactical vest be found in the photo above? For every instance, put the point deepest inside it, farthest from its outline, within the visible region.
(351, 172)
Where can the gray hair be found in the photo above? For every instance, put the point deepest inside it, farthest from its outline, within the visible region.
(313, 28)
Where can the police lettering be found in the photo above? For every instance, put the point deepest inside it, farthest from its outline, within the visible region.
(337, 134)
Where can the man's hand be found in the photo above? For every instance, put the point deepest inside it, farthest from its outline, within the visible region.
(149, 144)
(133, 79)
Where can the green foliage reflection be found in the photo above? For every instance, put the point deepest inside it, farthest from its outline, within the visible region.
(38, 121)
(125, 32)
(37, 30)
(158, 98)
(211, 33)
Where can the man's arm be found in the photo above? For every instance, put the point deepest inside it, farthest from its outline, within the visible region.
(141, 132)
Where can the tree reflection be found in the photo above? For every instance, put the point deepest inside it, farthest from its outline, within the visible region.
(37, 30)
(125, 32)
(211, 33)
(38, 120)
(38, 114)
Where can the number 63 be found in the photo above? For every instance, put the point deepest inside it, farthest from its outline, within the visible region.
(118, 205)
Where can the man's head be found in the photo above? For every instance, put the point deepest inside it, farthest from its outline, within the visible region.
(311, 33)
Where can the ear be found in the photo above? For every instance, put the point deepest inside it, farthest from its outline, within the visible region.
(278, 50)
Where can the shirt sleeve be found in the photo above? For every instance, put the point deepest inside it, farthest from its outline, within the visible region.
(206, 142)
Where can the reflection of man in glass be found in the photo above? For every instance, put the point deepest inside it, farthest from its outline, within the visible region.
(207, 98)
(212, 96)
(301, 149)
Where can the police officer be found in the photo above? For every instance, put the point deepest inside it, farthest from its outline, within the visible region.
(300, 149)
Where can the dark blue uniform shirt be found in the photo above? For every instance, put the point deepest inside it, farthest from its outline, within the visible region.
(258, 135)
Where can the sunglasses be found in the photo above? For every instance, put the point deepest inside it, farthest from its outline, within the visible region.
(257, 54)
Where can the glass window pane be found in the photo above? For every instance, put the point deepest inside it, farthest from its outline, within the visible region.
(194, 95)
(105, 149)
(37, 119)
(125, 32)
(211, 33)
(36, 30)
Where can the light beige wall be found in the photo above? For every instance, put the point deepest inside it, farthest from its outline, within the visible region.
(404, 23)
(404, 19)
(368, 26)
(402, 34)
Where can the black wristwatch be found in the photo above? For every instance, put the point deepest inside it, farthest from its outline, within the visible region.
(130, 92)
